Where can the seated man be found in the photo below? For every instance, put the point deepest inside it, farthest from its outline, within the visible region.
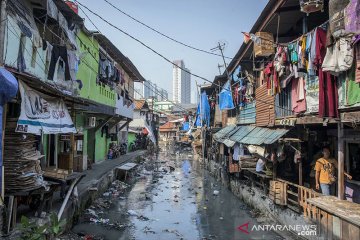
(260, 165)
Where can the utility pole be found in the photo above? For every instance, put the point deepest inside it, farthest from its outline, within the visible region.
(3, 18)
(221, 48)
(220, 66)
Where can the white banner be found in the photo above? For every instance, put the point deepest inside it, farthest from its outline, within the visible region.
(312, 94)
(42, 113)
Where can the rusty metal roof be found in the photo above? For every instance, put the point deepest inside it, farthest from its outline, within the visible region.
(257, 135)
(222, 133)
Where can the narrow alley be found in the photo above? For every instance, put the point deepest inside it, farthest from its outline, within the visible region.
(166, 203)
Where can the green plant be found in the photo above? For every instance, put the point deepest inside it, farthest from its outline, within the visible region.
(31, 231)
(56, 226)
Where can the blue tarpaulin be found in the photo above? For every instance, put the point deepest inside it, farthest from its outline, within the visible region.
(205, 109)
(186, 126)
(225, 97)
(198, 120)
(8, 89)
(236, 74)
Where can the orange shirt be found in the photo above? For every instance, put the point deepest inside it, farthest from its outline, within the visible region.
(326, 167)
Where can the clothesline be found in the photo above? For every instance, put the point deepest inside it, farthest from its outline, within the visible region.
(285, 44)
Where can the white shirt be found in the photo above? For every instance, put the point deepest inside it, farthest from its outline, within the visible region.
(260, 165)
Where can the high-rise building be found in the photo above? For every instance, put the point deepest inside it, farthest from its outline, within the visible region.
(181, 83)
(152, 90)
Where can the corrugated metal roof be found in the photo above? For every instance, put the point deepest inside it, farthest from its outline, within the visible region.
(223, 132)
(228, 142)
(257, 135)
(241, 133)
(248, 114)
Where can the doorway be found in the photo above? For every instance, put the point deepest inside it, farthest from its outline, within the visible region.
(91, 145)
(52, 150)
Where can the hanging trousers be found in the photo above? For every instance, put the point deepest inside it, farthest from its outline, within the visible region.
(59, 51)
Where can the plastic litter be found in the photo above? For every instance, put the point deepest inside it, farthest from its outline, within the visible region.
(132, 213)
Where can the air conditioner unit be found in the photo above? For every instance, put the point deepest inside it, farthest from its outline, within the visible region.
(92, 122)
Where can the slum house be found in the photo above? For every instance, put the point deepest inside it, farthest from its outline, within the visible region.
(113, 88)
(145, 121)
(294, 98)
(66, 104)
(168, 131)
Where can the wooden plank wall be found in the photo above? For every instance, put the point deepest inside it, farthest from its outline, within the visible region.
(265, 111)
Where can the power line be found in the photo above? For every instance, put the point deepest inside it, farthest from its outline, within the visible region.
(162, 34)
(145, 45)
(154, 51)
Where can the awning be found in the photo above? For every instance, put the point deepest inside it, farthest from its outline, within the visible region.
(41, 113)
(228, 142)
(223, 132)
(257, 135)
(177, 120)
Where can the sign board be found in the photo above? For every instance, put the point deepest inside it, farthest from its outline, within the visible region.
(41, 113)
(285, 122)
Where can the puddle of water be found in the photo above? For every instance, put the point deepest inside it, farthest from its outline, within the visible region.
(177, 204)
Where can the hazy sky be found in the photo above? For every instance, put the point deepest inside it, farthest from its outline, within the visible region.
(200, 23)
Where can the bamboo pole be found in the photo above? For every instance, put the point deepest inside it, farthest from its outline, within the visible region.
(341, 183)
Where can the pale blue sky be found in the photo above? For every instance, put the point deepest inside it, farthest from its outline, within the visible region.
(200, 23)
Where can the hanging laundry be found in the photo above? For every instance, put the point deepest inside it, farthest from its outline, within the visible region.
(242, 93)
(344, 17)
(352, 88)
(339, 57)
(352, 17)
(298, 101)
(336, 17)
(205, 109)
(328, 95)
(357, 61)
(238, 151)
(73, 60)
(292, 48)
(59, 52)
(225, 97)
(21, 64)
(312, 92)
(311, 41)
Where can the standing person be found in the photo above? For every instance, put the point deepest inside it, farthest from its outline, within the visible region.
(325, 172)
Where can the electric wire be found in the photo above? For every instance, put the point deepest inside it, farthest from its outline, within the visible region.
(157, 53)
(162, 34)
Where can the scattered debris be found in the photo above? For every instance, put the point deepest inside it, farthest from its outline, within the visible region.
(143, 218)
(101, 220)
(173, 231)
(132, 213)
(148, 230)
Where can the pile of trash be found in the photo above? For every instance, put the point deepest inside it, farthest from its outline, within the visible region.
(117, 187)
(95, 212)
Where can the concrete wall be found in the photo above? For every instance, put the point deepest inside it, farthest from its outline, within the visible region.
(88, 72)
(101, 146)
(131, 139)
(80, 126)
(255, 197)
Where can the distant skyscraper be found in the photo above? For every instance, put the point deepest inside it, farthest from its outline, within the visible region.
(146, 89)
(151, 90)
(181, 83)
